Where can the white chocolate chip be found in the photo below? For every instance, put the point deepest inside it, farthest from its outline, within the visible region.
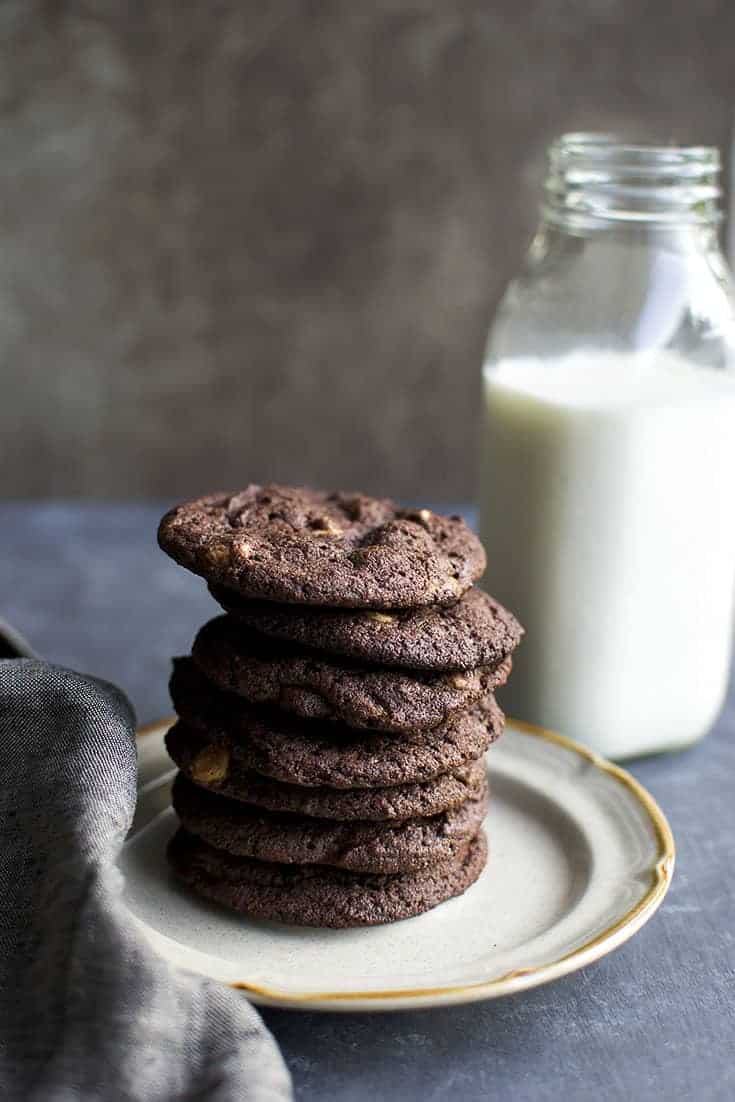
(218, 554)
(211, 764)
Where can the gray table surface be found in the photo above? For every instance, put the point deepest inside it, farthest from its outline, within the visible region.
(88, 586)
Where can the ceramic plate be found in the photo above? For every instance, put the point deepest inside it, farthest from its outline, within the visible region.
(580, 857)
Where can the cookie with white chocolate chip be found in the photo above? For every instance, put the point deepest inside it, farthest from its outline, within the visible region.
(475, 631)
(278, 543)
(315, 686)
(218, 767)
(223, 733)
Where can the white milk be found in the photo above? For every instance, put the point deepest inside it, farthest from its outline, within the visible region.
(608, 513)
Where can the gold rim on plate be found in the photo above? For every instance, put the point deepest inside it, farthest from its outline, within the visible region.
(520, 978)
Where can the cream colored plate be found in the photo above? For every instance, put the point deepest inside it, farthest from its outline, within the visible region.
(580, 857)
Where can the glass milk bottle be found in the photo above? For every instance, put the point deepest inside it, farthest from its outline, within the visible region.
(608, 470)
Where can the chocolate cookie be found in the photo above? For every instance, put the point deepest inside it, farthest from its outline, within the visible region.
(316, 895)
(299, 546)
(301, 681)
(216, 766)
(392, 847)
(309, 752)
(476, 631)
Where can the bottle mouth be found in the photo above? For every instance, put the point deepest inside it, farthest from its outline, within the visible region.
(595, 177)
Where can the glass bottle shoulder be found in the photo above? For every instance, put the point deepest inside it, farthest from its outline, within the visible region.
(635, 290)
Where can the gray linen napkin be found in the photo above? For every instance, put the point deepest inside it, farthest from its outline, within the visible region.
(87, 1010)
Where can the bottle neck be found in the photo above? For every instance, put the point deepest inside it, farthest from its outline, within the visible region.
(595, 183)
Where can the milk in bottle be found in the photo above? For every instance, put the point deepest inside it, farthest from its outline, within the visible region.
(607, 483)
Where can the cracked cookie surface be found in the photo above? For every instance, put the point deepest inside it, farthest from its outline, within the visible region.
(280, 543)
(363, 846)
(316, 686)
(217, 767)
(475, 631)
(313, 752)
(316, 895)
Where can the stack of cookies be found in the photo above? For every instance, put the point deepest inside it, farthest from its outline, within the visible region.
(332, 724)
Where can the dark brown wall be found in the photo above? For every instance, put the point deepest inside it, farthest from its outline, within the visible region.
(263, 240)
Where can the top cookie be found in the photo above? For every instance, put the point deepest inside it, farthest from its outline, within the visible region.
(300, 546)
(475, 631)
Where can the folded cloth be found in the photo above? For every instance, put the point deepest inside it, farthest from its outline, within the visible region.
(87, 1010)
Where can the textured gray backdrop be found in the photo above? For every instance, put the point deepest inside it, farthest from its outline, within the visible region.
(246, 240)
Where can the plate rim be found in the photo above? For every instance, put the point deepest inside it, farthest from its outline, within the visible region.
(519, 979)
